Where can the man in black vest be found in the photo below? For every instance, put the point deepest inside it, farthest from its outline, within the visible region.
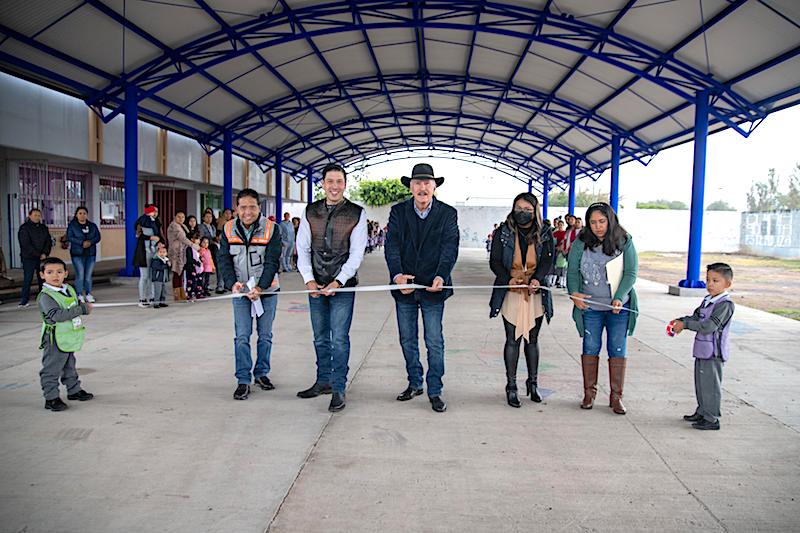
(330, 247)
(422, 248)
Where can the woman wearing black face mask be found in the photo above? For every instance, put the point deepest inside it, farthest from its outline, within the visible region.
(522, 254)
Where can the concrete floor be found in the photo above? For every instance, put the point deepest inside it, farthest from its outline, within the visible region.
(163, 447)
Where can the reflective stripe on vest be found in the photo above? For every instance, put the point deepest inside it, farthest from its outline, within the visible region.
(261, 238)
(68, 335)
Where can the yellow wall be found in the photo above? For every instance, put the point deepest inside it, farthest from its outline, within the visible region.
(113, 243)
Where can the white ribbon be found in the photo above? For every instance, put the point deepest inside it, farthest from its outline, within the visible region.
(257, 309)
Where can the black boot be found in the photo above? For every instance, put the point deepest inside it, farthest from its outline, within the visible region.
(511, 396)
(315, 390)
(511, 360)
(337, 402)
(532, 389)
(532, 360)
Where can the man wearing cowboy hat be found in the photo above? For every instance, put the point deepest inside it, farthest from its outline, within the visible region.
(422, 248)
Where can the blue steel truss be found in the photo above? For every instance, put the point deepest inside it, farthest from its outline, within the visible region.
(250, 38)
(563, 112)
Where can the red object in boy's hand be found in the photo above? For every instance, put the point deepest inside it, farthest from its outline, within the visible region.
(671, 330)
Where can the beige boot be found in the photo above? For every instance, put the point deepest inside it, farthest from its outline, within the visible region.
(616, 377)
(589, 364)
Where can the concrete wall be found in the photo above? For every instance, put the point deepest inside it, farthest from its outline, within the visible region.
(771, 234)
(652, 229)
(184, 158)
(36, 118)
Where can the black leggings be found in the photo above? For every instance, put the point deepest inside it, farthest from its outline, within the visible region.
(511, 351)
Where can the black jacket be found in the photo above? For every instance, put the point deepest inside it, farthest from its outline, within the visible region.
(160, 270)
(501, 259)
(140, 255)
(34, 240)
(426, 254)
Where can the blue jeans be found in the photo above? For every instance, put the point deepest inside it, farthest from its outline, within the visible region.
(30, 268)
(84, 266)
(145, 280)
(243, 326)
(287, 251)
(616, 327)
(407, 324)
(331, 317)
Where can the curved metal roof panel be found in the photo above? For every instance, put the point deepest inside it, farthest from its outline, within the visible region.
(529, 85)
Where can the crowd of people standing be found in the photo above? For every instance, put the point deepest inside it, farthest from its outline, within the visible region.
(528, 256)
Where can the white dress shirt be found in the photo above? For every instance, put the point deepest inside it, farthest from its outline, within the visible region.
(358, 243)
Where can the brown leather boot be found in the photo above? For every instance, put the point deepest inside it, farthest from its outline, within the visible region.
(616, 378)
(589, 364)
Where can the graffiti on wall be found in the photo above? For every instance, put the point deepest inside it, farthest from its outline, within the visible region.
(773, 230)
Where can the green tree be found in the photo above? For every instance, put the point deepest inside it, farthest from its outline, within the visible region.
(380, 192)
(662, 204)
(791, 200)
(583, 198)
(720, 205)
(764, 195)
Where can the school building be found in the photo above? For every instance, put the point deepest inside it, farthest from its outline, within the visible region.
(57, 154)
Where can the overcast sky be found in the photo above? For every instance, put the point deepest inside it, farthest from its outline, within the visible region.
(733, 163)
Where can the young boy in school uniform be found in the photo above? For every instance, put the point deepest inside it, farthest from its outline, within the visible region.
(62, 335)
(712, 322)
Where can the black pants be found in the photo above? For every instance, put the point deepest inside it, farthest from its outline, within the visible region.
(30, 267)
(511, 351)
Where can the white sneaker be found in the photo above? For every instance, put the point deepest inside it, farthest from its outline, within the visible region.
(81, 299)
(90, 298)
(143, 304)
(24, 305)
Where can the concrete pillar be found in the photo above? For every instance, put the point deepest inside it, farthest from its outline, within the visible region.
(93, 205)
(131, 109)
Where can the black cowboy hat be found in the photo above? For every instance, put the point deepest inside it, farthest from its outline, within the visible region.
(421, 171)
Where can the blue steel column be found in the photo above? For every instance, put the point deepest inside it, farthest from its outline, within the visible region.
(545, 193)
(530, 185)
(131, 109)
(278, 188)
(693, 280)
(572, 171)
(614, 195)
(309, 185)
(227, 170)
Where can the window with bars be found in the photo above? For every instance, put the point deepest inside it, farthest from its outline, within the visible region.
(112, 201)
(212, 200)
(56, 191)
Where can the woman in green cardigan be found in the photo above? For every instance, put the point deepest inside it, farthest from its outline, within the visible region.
(602, 271)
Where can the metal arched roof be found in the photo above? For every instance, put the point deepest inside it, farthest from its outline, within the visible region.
(533, 86)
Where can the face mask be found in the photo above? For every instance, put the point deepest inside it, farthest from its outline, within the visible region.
(523, 218)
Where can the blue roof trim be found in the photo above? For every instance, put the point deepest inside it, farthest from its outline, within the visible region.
(728, 109)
